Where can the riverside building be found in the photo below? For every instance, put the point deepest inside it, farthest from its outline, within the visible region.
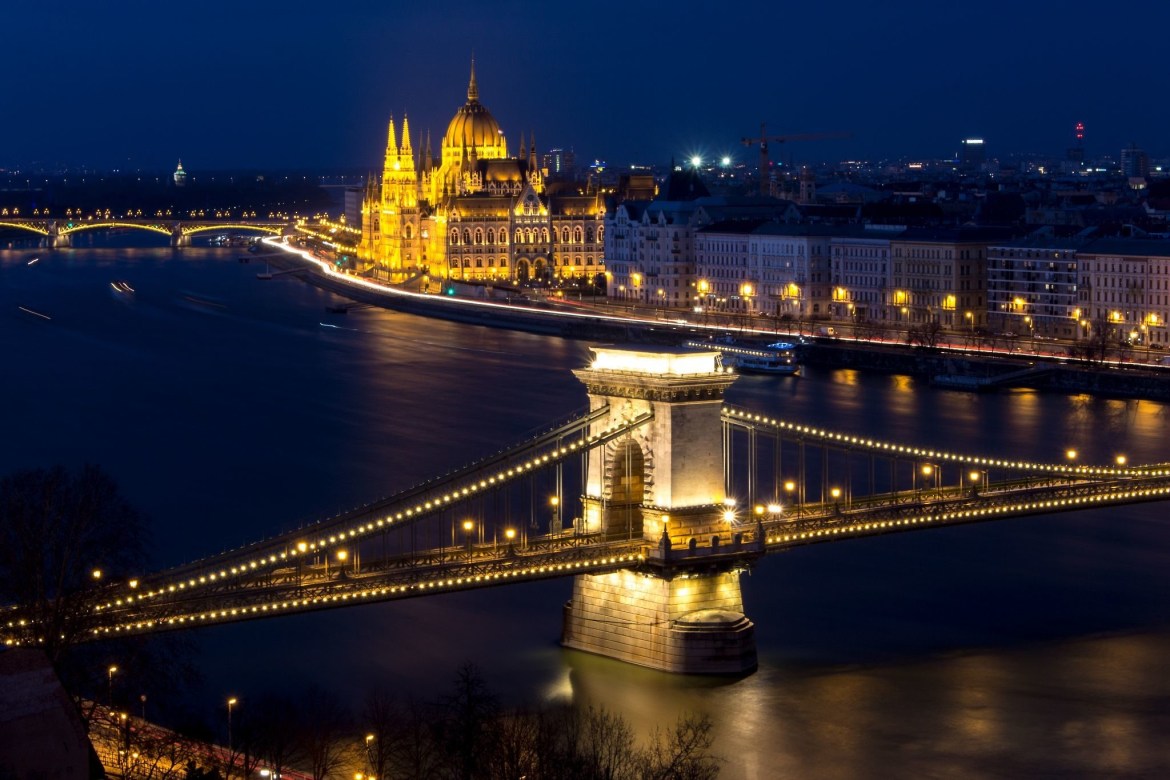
(476, 212)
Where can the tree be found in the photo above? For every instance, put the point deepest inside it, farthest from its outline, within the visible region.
(467, 722)
(608, 746)
(927, 334)
(277, 735)
(414, 749)
(682, 754)
(68, 540)
(324, 732)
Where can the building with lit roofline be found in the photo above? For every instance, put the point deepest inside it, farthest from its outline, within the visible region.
(474, 212)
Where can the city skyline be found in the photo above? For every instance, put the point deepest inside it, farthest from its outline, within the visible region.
(261, 87)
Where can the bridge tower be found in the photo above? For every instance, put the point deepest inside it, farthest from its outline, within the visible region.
(178, 237)
(663, 483)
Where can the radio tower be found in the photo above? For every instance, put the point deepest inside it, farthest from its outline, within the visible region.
(1076, 153)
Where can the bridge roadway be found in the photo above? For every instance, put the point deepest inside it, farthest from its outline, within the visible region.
(290, 572)
(57, 230)
(441, 570)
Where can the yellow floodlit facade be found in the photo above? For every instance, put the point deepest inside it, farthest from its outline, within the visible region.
(474, 212)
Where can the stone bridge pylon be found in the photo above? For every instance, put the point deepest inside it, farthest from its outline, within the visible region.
(664, 483)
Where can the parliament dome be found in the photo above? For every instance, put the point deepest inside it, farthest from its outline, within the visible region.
(473, 126)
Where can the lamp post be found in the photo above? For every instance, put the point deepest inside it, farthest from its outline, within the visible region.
(370, 758)
(790, 490)
(930, 473)
(468, 527)
(555, 523)
(974, 475)
(231, 702)
(110, 672)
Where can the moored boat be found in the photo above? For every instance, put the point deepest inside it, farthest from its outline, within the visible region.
(753, 358)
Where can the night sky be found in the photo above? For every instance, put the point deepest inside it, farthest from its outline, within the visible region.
(293, 85)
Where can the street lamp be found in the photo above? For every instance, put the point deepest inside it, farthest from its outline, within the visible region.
(230, 703)
(555, 522)
(836, 494)
(110, 682)
(930, 472)
(790, 489)
(468, 527)
(747, 290)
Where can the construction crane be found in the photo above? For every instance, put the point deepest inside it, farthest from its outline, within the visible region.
(764, 139)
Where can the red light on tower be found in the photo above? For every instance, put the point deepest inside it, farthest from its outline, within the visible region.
(1080, 131)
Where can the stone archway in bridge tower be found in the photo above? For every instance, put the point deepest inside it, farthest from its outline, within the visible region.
(624, 488)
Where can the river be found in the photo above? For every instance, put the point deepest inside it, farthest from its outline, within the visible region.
(229, 408)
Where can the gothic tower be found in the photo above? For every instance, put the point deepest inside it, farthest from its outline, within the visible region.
(399, 217)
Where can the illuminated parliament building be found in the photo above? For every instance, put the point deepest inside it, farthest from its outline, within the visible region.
(475, 212)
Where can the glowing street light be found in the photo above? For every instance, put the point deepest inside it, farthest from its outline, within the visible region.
(231, 702)
(110, 672)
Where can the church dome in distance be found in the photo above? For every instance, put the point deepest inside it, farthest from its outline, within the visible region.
(473, 126)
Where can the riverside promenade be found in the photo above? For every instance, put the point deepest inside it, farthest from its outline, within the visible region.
(959, 361)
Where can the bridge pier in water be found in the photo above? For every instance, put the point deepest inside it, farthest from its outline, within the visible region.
(664, 483)
(178, 237)
(55, 239)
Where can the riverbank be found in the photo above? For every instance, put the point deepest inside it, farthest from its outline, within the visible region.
(949, 367)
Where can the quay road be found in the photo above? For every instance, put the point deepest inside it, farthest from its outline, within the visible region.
(614, 319)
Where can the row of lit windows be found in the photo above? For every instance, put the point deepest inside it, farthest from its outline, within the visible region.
(528, 236)
(491, 262)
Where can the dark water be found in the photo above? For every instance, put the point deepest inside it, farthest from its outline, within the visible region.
(227, 411)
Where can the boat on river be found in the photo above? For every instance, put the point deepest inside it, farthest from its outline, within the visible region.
(748, 357)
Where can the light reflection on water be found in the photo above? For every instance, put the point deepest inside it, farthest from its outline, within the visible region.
(1025, 647)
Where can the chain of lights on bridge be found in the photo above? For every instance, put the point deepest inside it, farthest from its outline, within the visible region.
(357, 531)
(889, 448)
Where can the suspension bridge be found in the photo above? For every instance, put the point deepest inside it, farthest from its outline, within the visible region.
(655, 498)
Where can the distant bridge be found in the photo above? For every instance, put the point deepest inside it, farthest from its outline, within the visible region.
(57, 232)
(654, 536)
